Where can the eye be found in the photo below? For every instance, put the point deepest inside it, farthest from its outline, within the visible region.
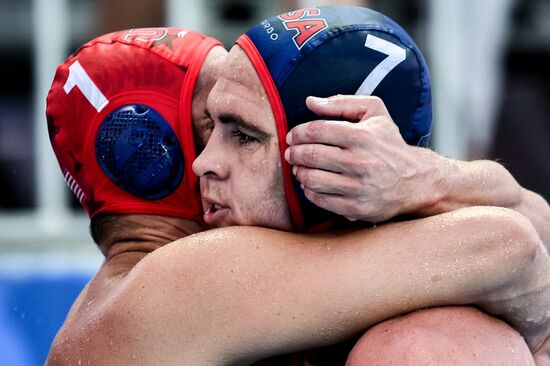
(243, 138)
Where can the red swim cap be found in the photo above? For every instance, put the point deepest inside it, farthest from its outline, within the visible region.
(120, 121)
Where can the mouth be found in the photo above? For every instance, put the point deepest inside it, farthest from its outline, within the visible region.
(214, 213)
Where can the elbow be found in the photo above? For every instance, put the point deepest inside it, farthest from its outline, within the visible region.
(523, 246)
(512, 242)
(521, 285)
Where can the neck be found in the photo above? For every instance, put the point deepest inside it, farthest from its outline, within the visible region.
(142, 233)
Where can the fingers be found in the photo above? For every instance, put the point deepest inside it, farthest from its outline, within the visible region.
(355, 108)
(331, 158)
(325, 157)
(347, 107)
(345, 206)
(333, 203)
(321, 181)
(340, 205)
(336, 133)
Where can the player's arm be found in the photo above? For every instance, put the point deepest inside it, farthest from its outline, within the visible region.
(235, 295)
(366, 171)
(125, 241)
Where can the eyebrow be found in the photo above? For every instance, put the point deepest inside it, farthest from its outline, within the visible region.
(231, 118)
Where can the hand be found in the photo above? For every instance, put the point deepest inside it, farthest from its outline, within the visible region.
(361, 169)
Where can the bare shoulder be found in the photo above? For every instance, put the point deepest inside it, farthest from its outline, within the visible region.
(445, 335)
(174, 293)
(82, 339)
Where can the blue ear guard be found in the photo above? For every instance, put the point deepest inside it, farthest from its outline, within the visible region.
(327, 51)
(334, 57)
(138, 150)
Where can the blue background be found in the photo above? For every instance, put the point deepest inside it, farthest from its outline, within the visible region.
(32, 308)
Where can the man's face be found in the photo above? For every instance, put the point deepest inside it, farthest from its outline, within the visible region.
(240, 167)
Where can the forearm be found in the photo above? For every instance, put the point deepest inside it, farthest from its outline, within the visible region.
(241, 294)
(292, 292)
(456, 184)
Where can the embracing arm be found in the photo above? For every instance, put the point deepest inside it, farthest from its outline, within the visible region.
(487, 183)
(239, 294)
(366, 171)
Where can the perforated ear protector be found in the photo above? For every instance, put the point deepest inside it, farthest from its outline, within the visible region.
(138, 150)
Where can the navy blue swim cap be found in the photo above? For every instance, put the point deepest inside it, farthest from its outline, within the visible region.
(334, 50)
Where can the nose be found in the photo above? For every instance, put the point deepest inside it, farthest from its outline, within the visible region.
(211, 162)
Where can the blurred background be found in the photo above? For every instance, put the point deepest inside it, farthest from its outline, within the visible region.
(489, 66)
